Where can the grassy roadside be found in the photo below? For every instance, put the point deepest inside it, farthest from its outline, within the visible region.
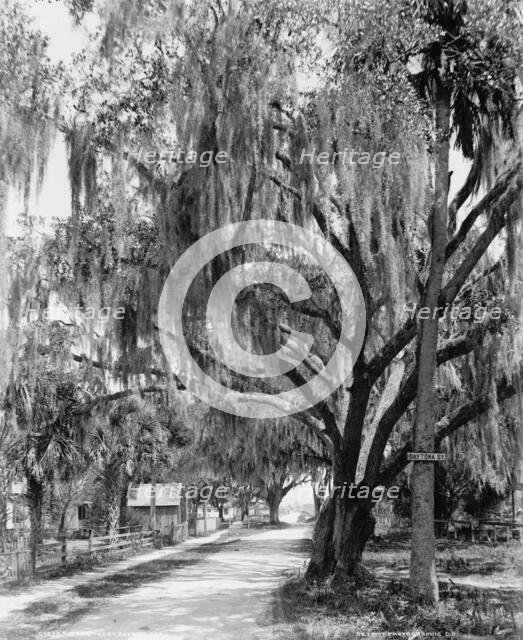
(80, 564)
(384, 608)
(314, 612)
(73, 567)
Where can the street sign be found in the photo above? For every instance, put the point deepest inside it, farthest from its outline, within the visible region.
(425, 457)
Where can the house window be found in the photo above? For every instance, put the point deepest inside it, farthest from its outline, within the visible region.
(83, 511)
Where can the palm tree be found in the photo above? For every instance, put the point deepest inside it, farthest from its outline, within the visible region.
(47, 447)
(457, 81)
(128, 444)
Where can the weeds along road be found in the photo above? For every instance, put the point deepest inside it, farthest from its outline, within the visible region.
(223, 591)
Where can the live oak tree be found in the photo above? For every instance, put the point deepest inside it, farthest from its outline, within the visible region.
(222, 76)
(334, 550)
(371, 99)
(272, 458)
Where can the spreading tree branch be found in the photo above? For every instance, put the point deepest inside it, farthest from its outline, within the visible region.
(406, 333)
(406, 394)
(447, 425)
(463, 194)
(497, 191)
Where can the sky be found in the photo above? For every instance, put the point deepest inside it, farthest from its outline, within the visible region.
(54, 199)
(65, 39)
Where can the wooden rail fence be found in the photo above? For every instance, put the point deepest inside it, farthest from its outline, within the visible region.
(475, 530)
(16, 564)
(386, 523)
(478, 530)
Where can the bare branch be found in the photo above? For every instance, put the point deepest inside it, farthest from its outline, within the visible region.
(315, 425)
(464, 193)
(118, 395)
(283, 185)
(483, 206)
(83, 359)
(496, 222)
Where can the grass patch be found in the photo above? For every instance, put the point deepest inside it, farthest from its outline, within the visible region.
(454, 557)
(352, 612)
(318, 612)
(262, 522)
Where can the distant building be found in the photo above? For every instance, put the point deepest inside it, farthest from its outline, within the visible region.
(17, 514)
(167, 502)
(205, 522)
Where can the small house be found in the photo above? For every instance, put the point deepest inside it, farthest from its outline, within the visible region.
(167, 503)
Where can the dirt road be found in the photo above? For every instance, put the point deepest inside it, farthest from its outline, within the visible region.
(223, 591)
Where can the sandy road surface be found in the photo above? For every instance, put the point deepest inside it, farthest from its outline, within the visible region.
(225, 594)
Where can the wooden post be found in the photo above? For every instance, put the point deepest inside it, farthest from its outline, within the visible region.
(17, 557)
(90, 543)
(495, 533)
(472, 531)
(184, 515)
(33, 554)
(153, 501)
(64, 549)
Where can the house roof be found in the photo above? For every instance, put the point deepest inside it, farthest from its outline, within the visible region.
(167, 494)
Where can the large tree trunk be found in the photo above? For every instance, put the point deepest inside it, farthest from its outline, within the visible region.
(341, 532)
(345, 523)
(342, 529)
(323, 559)
(35, 499)
(274, 498)
(423, 580)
